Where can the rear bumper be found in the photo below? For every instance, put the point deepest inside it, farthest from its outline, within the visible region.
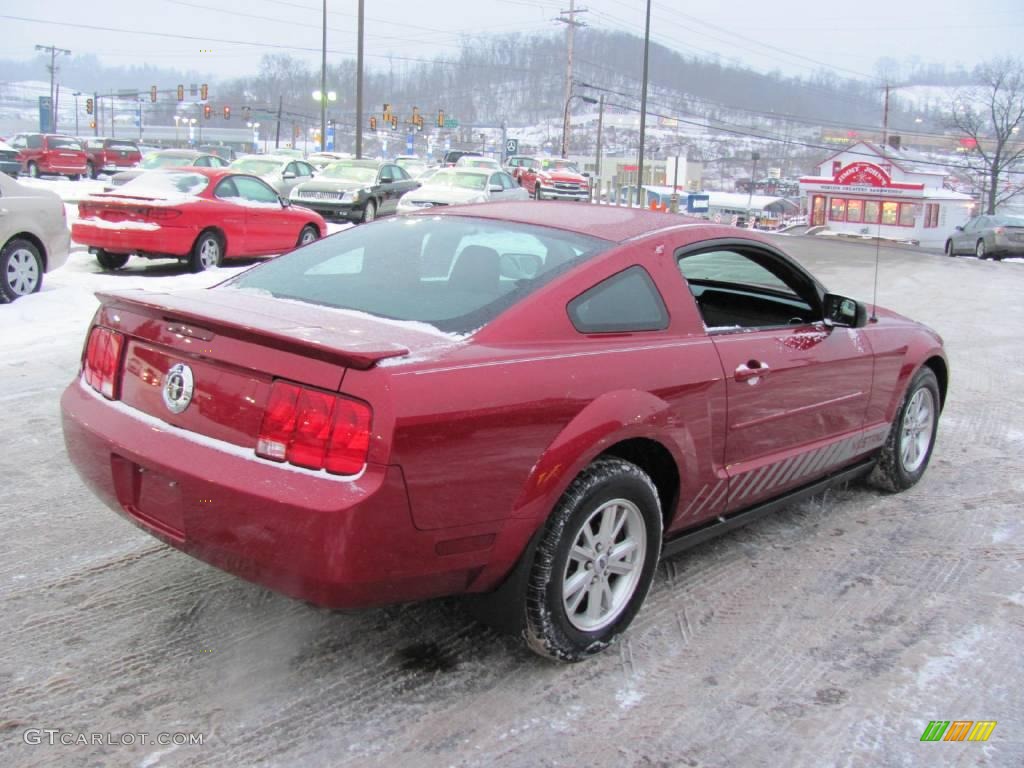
(173, 241)
(336, 542)
(1004, 246)
(58, 247)
(64, 167)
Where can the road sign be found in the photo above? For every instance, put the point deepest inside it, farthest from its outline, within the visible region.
(45, 114)
(512, 146)
(409, 143)
(451, 122)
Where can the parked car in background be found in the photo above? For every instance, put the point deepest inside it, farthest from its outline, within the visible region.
(9, 162)
(106, 155)
(356, 190)
(34, 237)
(321, 160)
(452, 156)
(166, 158)
(554, 179)
(289, 152)
(471, 161)
(502, 400)
(461, 186)
(49, 154)
(279, 171)
(993, 236)
(224, 153)
(198, 215)
(412, 165)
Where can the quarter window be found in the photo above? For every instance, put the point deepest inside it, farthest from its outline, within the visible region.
(623, 303)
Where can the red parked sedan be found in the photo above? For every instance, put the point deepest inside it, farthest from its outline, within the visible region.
(202, 215)
(494, 399)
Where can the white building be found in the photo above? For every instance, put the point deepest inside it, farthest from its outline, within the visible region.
(865, 189)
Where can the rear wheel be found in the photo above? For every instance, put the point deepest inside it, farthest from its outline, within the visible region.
(949, 248)
(594, 563)
(979, 250)
(370, 211)
(90, 170)
(21, 269)
(207, 253)
(111, 261)
(75, 176)
(308, 235)
(908, 449)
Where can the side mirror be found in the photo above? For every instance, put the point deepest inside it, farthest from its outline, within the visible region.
(844, 312)
(494, 188)
(285, 202)
(587, 174)
(959, 227)
(386, 181)
(288, 175)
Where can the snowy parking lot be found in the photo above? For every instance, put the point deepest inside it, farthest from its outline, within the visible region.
(829, 634)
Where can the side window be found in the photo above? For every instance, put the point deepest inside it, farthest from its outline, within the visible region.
(18, 142)
(305, 169)
(226, 190)
(626, 302)
(747, 288)
(507, 181)
(385, 173)
(202, 161)
(292, 168)
(35, 141)
(400, 173)
(255, 191)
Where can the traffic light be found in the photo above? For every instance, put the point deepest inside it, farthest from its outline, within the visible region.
(88, 106)
(204, 91)
(373, 122)
(440, 118)
(92, 124)
(181, 93)
(246, 113)
(152, 93)
(227, 113)
(394, 122)
(207, 111)
(387, 112)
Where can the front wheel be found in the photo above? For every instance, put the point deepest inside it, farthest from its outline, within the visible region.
(594, 563)
(908, 449)
(308, 235)
(33, 170)
(111, 261)
(369, 212)
(21, 269)
(75, 176)
(207, 253)
(949, 248)
(90, 170)
(979, 250)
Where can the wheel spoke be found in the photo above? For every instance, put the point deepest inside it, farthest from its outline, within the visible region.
(619, 523)
(574, 587)
(604, 534)
(594, 608)
(581, 554)
(621, 567)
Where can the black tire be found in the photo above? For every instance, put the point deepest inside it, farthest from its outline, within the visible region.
(90, 170)
(75, 176)
(892, 472)
(21, 269)
(111, 261)
(949, 249)
(309, 234)
(369, 211)
(207, 253)
(549, 629)
(33, 170)
(536, 192)
(980, 250)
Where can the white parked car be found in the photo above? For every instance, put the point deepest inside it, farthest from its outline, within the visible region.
(34, 237)
(282, 172)
(461, 186)
(475, 161)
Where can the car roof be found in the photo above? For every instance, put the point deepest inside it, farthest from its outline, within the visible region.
(352, 162)
(190, 153)
(608, 222)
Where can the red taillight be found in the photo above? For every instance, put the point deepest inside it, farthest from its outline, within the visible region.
(103, 361)
(85, 210)
(161, 214)
(314, 429)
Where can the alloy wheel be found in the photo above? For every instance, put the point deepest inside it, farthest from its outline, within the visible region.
(209, 253)
(22, 272)
(916, 434)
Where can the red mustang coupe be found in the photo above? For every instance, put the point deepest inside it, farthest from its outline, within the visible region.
(494, 399)
(200, 215)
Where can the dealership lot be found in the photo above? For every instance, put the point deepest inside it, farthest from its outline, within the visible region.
(828, 634)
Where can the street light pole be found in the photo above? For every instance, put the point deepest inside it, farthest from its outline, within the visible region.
(359, 86)
(323, 83)
(76, 95)
(53, 50)
(600, 125)
(755, 156)
(643, 106)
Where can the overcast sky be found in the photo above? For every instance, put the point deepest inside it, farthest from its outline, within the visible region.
(795, 37)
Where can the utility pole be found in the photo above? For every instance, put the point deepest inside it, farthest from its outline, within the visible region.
(570, 29)
(643, 108)
(359, 86)
(277, 135)
(323, 86)
(600, 127)
(885, 119)
(76, 94)
(53, 50)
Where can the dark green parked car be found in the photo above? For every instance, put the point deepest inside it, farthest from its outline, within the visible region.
(356, 190)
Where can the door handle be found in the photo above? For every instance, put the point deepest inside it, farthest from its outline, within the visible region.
(751, 371)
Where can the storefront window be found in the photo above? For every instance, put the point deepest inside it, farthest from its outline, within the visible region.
(871, 211)
(931, 215)
(854, 210)
(838, 210)
(906, 214)
(890, 213)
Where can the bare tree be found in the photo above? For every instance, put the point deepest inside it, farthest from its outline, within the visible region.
(991, 115)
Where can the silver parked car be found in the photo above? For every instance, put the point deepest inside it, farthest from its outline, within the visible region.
(988, 236)
(34, 237)
(279, 171)
(460, 186)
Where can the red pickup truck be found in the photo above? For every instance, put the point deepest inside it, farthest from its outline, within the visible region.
(106, 155)
(552, 179)
(49, 153)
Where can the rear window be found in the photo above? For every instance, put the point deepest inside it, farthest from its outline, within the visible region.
(122, 146)
(256, 165)
(63, 141)
(169, 185)
(156, 160)
(456, 273)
